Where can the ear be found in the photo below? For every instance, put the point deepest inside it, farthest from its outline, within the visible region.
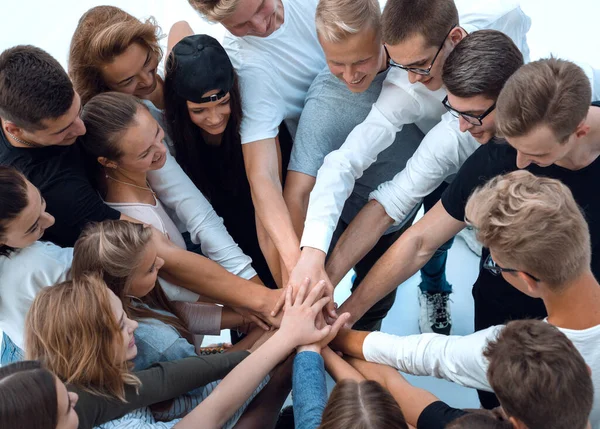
(533, 287)
(13, 129)
(582, 130)
(517, 424)
(456, 35)
(106, 162)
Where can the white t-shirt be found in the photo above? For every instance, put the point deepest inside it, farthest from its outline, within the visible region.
(275, 72)
(399, 103)
(22, 275)
(460, 358)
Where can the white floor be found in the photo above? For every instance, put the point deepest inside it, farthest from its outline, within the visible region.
(565, 29)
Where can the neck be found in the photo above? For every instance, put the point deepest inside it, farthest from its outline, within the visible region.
(384, 65)
(587, 148)
(157, 96)
(212, 139)
(15, 141)
(577, 305)
(134, 178)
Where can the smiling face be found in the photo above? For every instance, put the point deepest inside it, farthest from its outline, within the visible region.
(475, 106)
(144, 277)
(258, 18)
(212, 117)
(126, 348)
(133, 72)
(141, 145)
(30, 225)
(357, 59)
(61, 131)
(67, 417)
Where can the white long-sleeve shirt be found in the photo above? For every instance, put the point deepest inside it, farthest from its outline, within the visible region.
(460, 358)
(399, 103)
(189, 206)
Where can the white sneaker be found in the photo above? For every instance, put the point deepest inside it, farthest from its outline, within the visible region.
(435, 313)
(468, 236)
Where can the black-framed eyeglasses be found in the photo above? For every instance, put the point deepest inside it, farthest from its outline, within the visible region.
(470, 118)
(496, 269)
(417, 70)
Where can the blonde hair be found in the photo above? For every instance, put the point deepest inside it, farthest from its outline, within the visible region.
(532, 224)
(72, 330)
(338, 19)
(103, 33)
(551, 92)
(113, 250)
(215, 10)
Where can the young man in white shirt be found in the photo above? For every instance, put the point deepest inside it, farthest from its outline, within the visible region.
(340, 98)
(418, 36)
(274, 48)
(540, 244)
(476, 70)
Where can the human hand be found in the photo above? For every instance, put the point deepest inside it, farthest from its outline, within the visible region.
(320, 322)
(311, 265)
(250, 317)
(298, 323)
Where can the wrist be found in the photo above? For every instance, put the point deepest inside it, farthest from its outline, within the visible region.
(284, 341)
(309, 348)
(314, 255)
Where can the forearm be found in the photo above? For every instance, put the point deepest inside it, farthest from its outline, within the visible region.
(272, 211)
(237, 387)
(269, 251)
(398, 264)
(350, 342)
(231, 319)
(338, 368)
(357, 240)
(209, 279)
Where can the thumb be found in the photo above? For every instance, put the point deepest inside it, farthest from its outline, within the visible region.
(339, 323)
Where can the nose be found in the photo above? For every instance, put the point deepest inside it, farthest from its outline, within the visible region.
(47, 220)
(147, 79)
(79, 128)
(522, 161)
(214, 118)
(349, 74)
(74, 398)
(133, 326)
(464, 125)
(259, 24)
(159, 263)
(414, 77)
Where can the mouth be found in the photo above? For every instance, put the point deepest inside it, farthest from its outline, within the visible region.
(159, 160)
(357, 82)
(132, 342)
(477, 135)
(214, 127)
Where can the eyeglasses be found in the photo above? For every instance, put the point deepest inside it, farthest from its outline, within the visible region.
(471, 119)
(496, 269)
(416, 70)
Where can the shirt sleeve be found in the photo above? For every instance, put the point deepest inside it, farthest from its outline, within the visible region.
(74, 203)
(159, 383)
(454, 358)
(437, 415)
(335, 180)
(263, 107)
(176, 191)
(441, 153)
(309, 390)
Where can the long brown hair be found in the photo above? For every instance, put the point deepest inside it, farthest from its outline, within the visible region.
(114, 250)
(13, 200)
(72, 331)
(103, 33)
(363, 405)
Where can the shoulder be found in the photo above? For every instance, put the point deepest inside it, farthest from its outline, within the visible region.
(46, 255)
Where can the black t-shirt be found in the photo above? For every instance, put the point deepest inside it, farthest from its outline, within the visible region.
(496, 158)
(437, 415)
(59, 173)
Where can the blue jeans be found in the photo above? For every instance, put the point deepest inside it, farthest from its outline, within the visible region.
(433, 273)
(9, 352)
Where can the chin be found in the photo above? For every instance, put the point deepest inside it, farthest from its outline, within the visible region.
(433, 84)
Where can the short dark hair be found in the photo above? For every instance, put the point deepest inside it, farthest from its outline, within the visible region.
(539, 376)
(479, 421)
(33, 87)
(405, 18)
(28, 396)
(481, 64)
(13, 200)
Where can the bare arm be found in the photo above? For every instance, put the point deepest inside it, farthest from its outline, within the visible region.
(338, 368)
(263, 168)
(178, 31)
(406, 256)
(350, 342)
(357, 240)
(296, 195)
(412, 400)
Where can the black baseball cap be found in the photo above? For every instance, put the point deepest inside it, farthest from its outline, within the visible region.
(202, 65)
